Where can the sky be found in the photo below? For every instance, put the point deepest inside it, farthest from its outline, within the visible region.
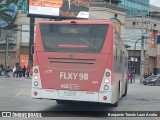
(155, 2)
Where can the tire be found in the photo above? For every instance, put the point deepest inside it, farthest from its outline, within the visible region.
(64, 102)
(126, 89)
(156, 83)
(144, 83)
(60, 101)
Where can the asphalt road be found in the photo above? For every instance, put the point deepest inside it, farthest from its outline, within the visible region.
(15, 95)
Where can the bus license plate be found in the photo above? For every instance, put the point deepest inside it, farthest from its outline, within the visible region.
(70, 93)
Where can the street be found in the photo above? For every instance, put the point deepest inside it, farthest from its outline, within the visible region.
(15, 95)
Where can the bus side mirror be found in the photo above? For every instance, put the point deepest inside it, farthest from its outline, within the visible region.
(32, 49)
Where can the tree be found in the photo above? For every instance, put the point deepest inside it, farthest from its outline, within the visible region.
(7, 17)
(7, 12)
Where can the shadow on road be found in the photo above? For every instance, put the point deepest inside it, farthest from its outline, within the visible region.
(77, 109)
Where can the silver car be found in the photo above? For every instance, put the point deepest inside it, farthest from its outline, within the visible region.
(154, 80)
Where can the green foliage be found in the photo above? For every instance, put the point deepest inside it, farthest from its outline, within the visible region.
(5, 12)
(8, 2)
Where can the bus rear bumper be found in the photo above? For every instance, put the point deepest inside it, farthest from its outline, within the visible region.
(88, 96)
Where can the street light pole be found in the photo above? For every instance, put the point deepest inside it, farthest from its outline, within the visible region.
(31, 40)
(142, 51)
(6, 53)
(134, 58)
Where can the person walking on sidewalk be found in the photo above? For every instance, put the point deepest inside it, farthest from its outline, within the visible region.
(28, 71)
(17, 71)
(0, 71)
(2, 67)
(20, 72)
(132, 76)
(24, 71)
(7, 72)
(14, 71)
(129, 76)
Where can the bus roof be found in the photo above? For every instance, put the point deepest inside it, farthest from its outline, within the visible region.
(80, 21)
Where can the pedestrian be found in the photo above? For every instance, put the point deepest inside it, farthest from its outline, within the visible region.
(20, 71)
(17, 71)
(28, 71)
(0, 71)
(7, 70)
(131, 77)
(31, 72)
(151, 73)
(147, 75)
(144, 75)
(24, 71)
(14, 71)
(2, 67)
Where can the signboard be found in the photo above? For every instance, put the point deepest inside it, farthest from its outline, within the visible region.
(59, 8)
(153, 34)
(24, 60)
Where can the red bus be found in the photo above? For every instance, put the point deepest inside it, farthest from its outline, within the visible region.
(79, 60)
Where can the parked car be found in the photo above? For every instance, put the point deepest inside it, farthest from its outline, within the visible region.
(153, 79)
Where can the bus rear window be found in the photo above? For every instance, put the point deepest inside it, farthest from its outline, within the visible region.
(73, 37)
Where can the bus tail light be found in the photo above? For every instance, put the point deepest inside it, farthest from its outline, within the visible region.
(35, 93)
(108, 74)
(36, 77)
(104, 98)
(35, 70)
(36, 83)
(106, 80)
(106, 87)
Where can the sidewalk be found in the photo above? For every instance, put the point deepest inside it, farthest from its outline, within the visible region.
(137, 80)
(11, 76)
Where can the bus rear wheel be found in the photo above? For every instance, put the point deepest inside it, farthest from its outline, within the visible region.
(60, 101)
(126, 88)
(64, 102)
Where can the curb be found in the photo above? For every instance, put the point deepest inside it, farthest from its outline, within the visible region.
(15, 77)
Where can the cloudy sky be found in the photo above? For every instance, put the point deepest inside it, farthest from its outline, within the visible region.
(155, 2)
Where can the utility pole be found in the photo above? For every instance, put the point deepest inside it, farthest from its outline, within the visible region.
(31, 40)
(135, 58)
(142, 51)
(6, 53)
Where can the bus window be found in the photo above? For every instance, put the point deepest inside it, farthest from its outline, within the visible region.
(73, 37)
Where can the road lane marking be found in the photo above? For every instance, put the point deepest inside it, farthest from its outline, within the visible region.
(19, 93)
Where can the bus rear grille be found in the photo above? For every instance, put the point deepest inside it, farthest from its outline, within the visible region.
(71, 60)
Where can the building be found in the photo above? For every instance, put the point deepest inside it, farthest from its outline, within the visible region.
(142, 19)
(98, 10)
(134, 6)
(107, 11)
(11, 36)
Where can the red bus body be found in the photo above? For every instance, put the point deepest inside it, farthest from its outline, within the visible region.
(66, 73)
